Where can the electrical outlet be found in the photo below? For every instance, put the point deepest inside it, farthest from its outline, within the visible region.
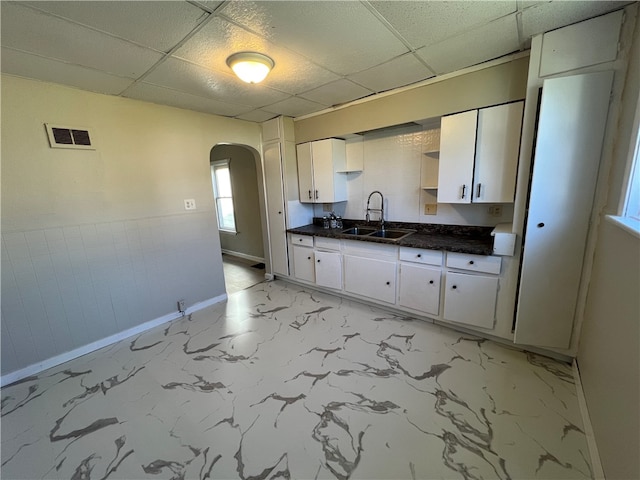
(181, 307)
(495, 210)
(189, 204)
(327, 207)
(430, 208)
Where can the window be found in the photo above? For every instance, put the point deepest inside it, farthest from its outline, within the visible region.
(223, 194)
(629, 218)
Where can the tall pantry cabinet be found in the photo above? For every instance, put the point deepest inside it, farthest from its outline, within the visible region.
(281, 186)
(571, 70)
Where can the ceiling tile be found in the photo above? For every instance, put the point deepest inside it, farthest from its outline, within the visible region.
(336, 93)
(167, 96)
(155, 24)
(257, 116)
(485, 43)
(211, 46)
(551, 15)
(32, 31)
(399, 72)
(294, 107)
(222, 86)
(32, 66)
(344, 37)
(425, 23)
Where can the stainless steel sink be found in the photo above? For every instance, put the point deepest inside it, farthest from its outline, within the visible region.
(359, 231)
(392, 233)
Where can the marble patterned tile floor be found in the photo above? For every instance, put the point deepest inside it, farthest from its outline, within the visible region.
(283, 382)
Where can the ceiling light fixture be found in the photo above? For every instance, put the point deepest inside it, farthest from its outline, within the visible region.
(250, 67)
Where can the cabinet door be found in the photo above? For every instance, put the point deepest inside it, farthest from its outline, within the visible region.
(322, 154)
(371, 278)
(420, 288)
(470, 299)
(329, 269)
(497, 148)
(305, 173)
(275, 209)
(303, 263)
(573, 116)
(457, 152)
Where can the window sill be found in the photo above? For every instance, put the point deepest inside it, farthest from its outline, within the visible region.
(228, 232)
(628, 224)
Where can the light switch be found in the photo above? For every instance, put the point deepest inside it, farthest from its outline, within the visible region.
(189, 204)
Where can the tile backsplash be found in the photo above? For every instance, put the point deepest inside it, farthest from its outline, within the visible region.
(398, 164)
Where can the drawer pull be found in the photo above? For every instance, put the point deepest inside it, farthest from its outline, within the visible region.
(388, 283)
(309, 258)
(471, 262)
(317, 260)
(430, 282)
(419, 255)
(299, 239)
(454, 287)
(540, 225)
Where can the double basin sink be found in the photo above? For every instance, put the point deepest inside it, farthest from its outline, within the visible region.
(390, 234)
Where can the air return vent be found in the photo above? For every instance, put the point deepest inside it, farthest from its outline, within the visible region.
(69, 137)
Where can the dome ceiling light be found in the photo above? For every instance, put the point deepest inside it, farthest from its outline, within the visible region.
(250, 67)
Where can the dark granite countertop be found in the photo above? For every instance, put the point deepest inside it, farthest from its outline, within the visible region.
(451, 238)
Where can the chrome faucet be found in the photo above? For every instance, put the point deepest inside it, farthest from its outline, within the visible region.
(381, 209)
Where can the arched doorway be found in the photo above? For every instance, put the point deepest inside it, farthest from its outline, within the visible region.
(238, 192)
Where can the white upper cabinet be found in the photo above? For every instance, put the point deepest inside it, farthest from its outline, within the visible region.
(457, 152)
(318, 164)
(497, 149)
(479, 155)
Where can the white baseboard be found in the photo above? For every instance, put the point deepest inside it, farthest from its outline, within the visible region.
(243, 255)
(596, 464)
(38, 367)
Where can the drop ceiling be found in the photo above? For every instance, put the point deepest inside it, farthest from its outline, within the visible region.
(326, 53)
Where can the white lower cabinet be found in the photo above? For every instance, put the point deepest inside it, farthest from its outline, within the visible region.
(303, 263)
(419, 288)
(470, 299)
(328, 267)
(371, 278)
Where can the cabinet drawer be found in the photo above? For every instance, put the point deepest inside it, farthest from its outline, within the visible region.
(474, 263)
(328, 243)
(421, 255)
(304, 240)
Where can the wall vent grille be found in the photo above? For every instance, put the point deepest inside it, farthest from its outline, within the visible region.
(69, 137)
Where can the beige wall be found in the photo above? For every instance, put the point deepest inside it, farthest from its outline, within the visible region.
(244, 182)
(490, 86)
(96, 242)
(609, 350)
